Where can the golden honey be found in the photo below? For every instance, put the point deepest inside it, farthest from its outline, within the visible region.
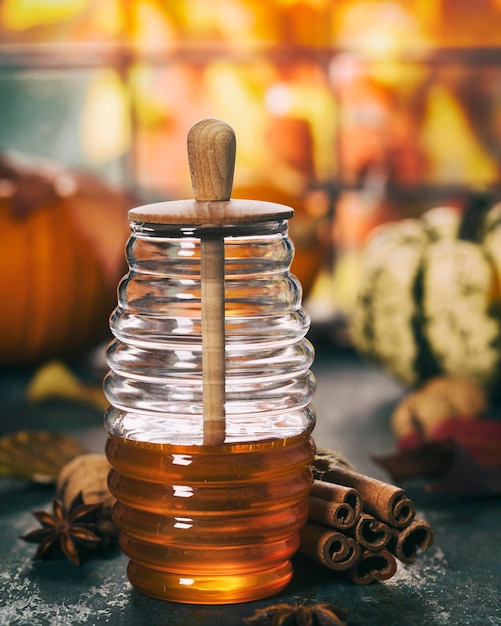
(210, 524)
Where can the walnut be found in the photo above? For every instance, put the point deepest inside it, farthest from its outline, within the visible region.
(441, 398)
(86, 473)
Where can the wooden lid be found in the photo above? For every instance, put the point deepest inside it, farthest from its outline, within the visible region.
(210, 214)
(211, 155)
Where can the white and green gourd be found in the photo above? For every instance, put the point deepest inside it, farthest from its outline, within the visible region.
(429, 298)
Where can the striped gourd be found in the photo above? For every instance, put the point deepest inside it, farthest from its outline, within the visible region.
(429, 298)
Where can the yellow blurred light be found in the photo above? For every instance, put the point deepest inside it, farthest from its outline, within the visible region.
(150, 29)
(108, 17)
(150, 110)
(23, 14)
(454, 152)
(201, 17)
(235, 19)
(379, 30)
(381, 33)
(105, 125)
(318, 4)
(236, 100)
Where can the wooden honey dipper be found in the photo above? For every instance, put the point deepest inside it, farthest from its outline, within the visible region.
(211, 155)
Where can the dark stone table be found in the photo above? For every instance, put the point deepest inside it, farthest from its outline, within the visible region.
(457, 581)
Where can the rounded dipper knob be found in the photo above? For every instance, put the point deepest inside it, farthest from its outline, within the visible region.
(211, 155)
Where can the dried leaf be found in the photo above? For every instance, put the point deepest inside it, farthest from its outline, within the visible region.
(56, 380)
(480, 439)
(464, 455)
(467, 476)
(424, 460)
(37, 456)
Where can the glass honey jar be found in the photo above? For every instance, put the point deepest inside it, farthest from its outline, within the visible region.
(210, 389)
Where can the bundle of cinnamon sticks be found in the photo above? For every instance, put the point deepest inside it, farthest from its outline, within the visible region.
(360, 525)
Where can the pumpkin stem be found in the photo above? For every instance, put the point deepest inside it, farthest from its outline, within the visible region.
(478, 202)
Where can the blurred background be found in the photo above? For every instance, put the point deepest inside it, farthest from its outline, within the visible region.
(353, 112)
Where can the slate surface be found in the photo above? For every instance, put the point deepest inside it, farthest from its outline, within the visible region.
(458, 581)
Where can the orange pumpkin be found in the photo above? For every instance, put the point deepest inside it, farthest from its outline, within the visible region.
(62, 236)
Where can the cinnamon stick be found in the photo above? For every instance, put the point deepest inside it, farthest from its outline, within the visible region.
(371, 533)
(405, 542)
(386, 527)
(334, 505)
(371, 566)
(329, 547)
(386, 502)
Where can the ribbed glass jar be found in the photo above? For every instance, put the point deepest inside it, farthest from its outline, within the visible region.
(209, 523)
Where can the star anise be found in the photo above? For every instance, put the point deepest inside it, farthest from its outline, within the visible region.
(299, 615)
(71, 532)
